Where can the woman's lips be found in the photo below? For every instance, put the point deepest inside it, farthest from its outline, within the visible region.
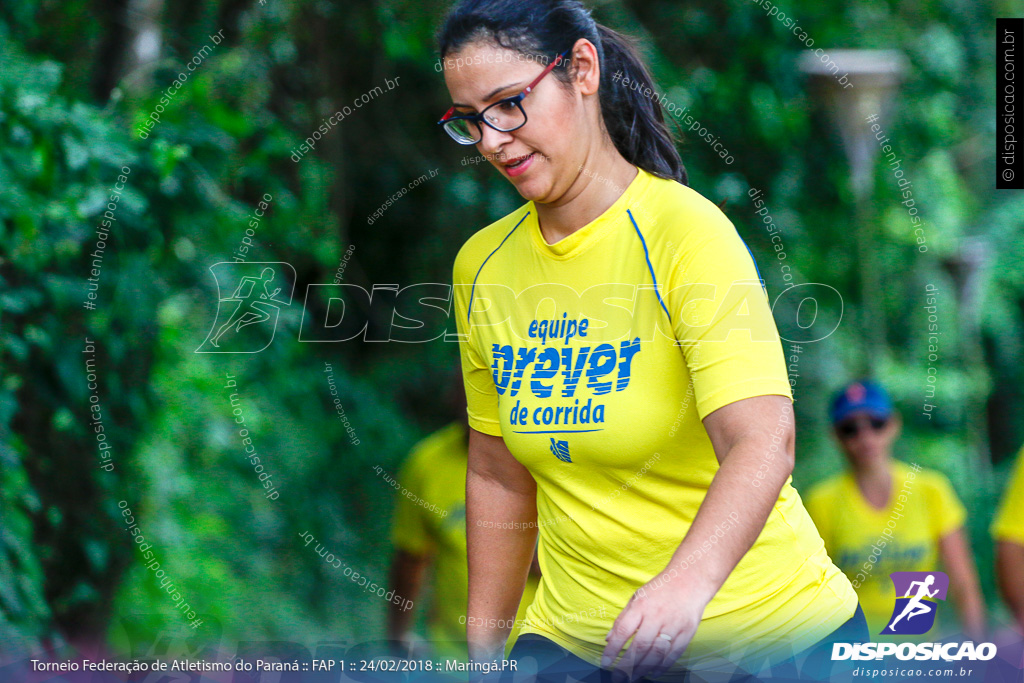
(519, 166)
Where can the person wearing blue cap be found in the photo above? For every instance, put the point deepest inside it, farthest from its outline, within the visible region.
(883, 515)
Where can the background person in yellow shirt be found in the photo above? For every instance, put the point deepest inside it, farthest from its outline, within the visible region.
(1008, 530)
(679, 401)
(883, 516)
(429, 536)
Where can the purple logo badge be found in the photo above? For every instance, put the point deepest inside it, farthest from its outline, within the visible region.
(917, 596)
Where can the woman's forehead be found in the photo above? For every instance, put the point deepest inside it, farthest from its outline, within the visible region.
(479, 69)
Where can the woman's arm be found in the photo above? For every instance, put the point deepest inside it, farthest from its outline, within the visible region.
(1010, 574)
(407, 570)
(956, 557)
(500, 494)
(747, 484)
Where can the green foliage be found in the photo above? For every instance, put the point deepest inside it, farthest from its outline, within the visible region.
(179, 463)
(67, 564)
(56, 157)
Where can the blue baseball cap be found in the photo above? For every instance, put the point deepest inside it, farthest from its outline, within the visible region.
(861, 396)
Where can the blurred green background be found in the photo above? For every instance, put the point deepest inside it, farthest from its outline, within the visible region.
(78, 77)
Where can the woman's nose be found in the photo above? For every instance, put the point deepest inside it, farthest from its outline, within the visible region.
(492, 140)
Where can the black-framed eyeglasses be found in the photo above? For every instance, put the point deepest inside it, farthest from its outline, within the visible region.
(848, 429)
(504, 115)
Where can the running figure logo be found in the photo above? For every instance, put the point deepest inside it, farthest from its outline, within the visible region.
(253, 308)
(914, 612)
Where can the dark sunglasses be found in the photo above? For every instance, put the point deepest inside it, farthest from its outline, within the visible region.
(504, 115)
(850, 428)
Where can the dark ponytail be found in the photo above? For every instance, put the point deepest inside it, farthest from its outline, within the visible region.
(541, 29)
(635, 120)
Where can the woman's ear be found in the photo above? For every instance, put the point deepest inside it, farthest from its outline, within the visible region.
(587, 65)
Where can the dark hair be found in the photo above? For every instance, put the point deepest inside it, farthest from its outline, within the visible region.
(544, 28)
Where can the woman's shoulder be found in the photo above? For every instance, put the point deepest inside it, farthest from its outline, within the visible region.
(930, 480)
(684, 226)
(437, 446)
(679, 210)
(485, 242)
(826, 491)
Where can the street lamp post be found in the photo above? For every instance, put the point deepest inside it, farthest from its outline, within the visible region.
(866, 88)
(967, 270)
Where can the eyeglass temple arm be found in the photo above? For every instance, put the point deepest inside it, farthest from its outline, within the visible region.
(555, 62)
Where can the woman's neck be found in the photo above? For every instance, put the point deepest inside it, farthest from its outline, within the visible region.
(875, 482)
(599, 183)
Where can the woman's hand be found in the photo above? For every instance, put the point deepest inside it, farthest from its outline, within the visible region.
(665, 606)
(739, 499)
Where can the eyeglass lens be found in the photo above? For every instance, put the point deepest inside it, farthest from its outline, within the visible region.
(503, 116)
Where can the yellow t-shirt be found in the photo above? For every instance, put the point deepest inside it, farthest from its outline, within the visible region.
(868, 544)
(1009, 522)
(573, 359)
(435, 476)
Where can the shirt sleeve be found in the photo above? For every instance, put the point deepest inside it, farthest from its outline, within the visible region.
(409, 530)
(1009, 521)
(481, 396)
(721, 316)
(947, 512)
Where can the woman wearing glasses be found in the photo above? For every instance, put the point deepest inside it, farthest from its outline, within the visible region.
(883, 516)
(626, 387)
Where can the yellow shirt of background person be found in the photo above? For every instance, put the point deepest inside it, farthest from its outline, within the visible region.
(1008, 530)
(1009, 522)
(573, 360)
(863, 543)
(432, 521)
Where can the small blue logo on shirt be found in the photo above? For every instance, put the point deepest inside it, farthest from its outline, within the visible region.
(561, 450)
